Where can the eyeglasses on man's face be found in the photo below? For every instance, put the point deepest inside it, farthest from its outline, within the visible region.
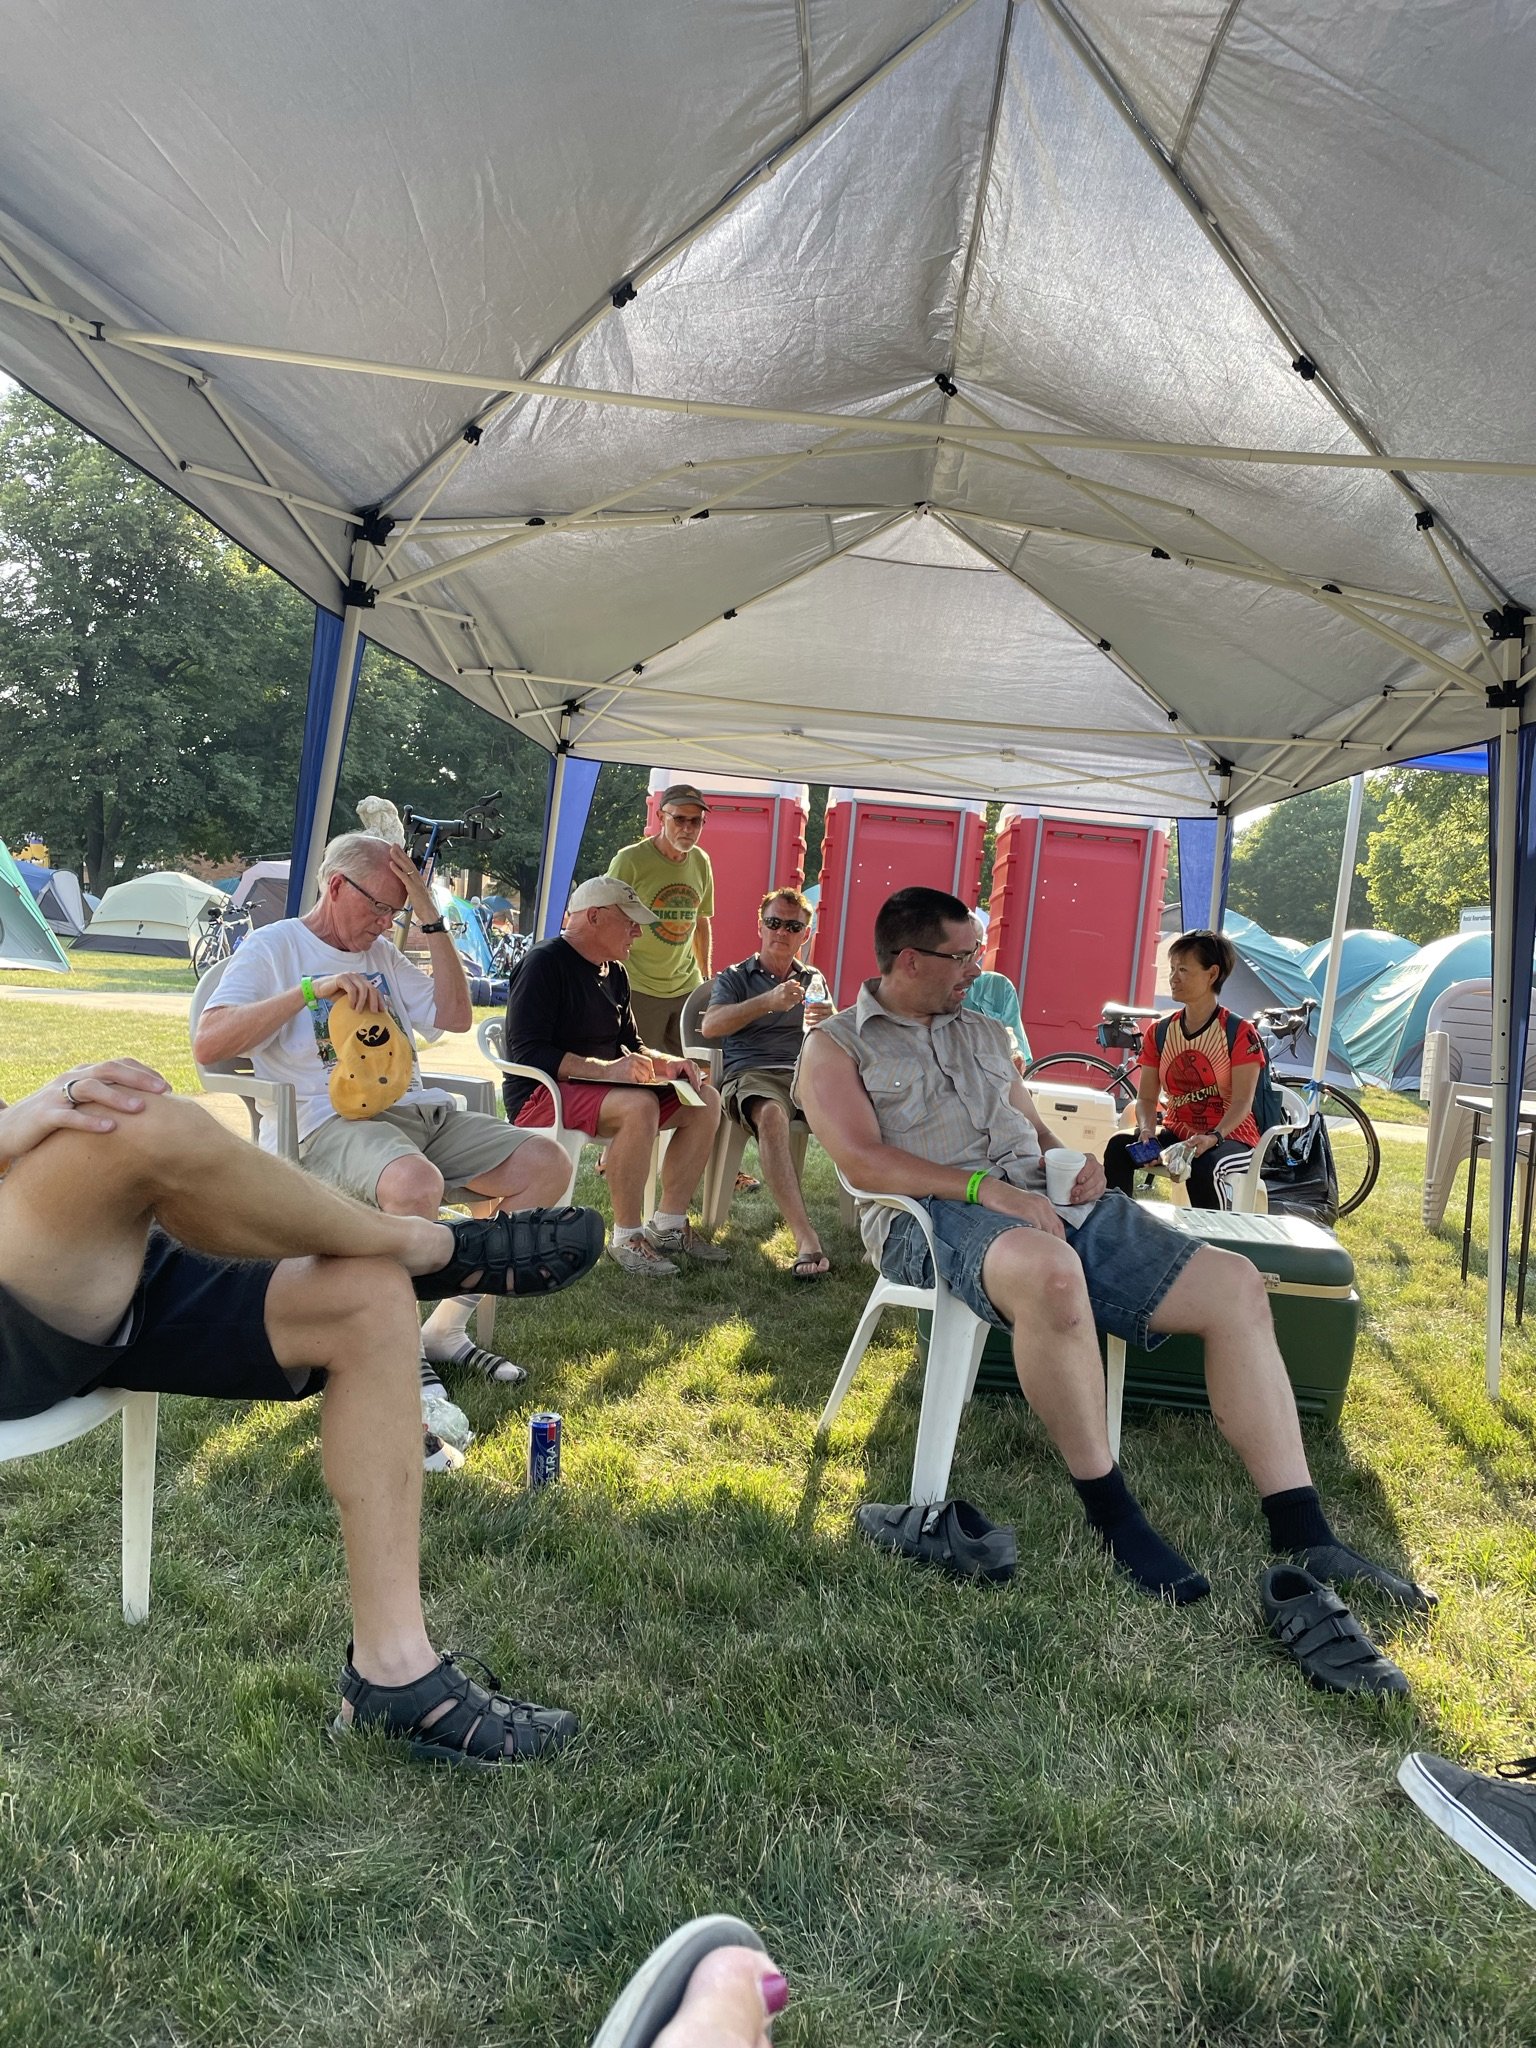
(388, 910)
(786, 924)
(965, 959)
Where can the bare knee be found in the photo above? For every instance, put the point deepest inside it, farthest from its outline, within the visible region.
(1232, 1292)
(343, 1314)
(633, 1110)
(409, 1186)
(542, 1168)
(1038, 1279)
(771, 1120)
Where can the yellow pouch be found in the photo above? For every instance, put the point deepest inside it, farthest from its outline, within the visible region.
(373, 1061)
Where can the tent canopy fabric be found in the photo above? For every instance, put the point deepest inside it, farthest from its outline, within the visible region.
(25, 939)
(971, 325)
(1383, 1028)
(155, 913)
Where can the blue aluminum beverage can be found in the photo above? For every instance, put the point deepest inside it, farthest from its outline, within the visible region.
(543, 1449)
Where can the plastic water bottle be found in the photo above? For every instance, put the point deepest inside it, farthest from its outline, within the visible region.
(816, 990)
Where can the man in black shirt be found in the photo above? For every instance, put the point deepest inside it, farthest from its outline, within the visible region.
(762, 1008)
(569, 1013)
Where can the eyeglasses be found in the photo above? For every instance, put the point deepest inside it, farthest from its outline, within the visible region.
(960, 959)
(786, 924)
(389, 910)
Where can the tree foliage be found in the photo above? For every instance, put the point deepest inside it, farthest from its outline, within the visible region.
(1428, 856)
(1285, 867)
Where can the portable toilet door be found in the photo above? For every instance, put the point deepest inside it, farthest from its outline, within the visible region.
(875, 843)
(1076, 898)
(755, 838)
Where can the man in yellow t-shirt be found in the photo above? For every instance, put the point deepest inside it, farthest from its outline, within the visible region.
(671, 875)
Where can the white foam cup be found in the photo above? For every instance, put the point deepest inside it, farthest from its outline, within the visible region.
(1061, 1170)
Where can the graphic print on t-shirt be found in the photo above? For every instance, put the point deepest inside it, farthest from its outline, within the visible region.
(1196, 1075)
(676, 907)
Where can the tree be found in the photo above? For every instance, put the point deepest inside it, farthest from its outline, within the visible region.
(1428, 857)
(1285, 867)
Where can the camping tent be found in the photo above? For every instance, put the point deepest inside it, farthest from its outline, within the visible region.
(987, 399)
(25, 940)
(59, 897)
(1268, 975)
(1383, 1028)
(1366, 952)
(263, 891)
(161, 913)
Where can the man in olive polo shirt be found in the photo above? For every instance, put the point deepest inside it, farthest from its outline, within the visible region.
(670, 873)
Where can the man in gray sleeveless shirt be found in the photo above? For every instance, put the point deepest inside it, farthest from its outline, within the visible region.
(914, 1095)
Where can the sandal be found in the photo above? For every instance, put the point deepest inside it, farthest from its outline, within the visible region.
(650, 2000)
(475, 1730)
(526, 1251)
(1309, 1620)
(811, 1266)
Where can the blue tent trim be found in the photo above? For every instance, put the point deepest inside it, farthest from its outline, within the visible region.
(1516, 930)
(1197, 858)
(567, 807)
(319, 713)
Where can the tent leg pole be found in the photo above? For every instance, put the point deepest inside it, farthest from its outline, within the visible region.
(1340, 919)
(1507, 654)
(330, 760)
(1218, 904)
(541, 925)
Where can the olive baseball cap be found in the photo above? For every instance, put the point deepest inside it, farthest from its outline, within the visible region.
(681, 793)
(605, 889)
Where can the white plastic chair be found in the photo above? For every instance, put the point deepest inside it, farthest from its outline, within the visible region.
(955, 1340)
(1249, 1195)
(278, 1099)
(77, 1416)
(1458, 1054)
(491, 1038)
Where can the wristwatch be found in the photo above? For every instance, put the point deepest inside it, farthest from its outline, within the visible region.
(427, 930)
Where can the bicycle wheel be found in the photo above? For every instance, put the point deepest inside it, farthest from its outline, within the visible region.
(1085, 1070)
(211, 949)
(1356, 1148)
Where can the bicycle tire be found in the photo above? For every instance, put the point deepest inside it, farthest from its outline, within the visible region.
(210, 951)
(1357, 1169)
(1085, 1070)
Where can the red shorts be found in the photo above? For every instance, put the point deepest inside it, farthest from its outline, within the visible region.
(580, 1102)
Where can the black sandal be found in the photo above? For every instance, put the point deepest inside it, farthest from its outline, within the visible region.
(475, 1730)
(526, 1251)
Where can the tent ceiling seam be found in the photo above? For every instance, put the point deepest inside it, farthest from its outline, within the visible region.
(1105, 77)
(803, 39)
(642, 272)
(1197, 97)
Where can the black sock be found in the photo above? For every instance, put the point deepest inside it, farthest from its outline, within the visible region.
(1115, 1517)
(1296, 1519)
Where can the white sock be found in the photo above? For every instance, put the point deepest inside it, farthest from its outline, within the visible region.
(664, 1220)
(623, 1232)
(446, 1330)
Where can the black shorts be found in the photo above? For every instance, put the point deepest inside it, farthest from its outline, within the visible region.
(198, 1326)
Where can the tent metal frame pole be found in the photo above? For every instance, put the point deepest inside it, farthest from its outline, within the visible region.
(1507, 654)
(1324, 1031)
(330, 759)
(1219, 861)
(785, 416)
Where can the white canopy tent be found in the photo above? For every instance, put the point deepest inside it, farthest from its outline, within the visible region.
(1122, 402)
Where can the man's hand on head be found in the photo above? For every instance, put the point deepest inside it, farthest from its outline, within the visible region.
(417, 894)
(1020, 1204)
(97, 1096)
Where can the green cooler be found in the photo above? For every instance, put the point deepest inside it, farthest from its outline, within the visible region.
(1310, 1278)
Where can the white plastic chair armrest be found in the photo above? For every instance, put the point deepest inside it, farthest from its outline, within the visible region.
(277, 1098)
(903, 1202)
(477, 1095)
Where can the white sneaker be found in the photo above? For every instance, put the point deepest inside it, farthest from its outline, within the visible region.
(436, 1456)
(637, 1255)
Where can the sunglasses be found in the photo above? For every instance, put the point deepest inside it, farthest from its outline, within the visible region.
(786, 924)
(389, 910)
(960, 959)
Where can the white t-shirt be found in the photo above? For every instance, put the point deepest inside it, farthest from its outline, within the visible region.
(277, 957)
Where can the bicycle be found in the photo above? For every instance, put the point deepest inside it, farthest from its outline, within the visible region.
(227, 926)
(1351, 1134)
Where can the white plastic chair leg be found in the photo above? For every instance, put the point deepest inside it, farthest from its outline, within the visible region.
(851, 1357)
(954, 1352)
(141, 1417)
(719, 1183)
(1114, 1391)
(485, 1322)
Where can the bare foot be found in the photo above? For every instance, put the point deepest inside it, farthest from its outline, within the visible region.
(731, 1999)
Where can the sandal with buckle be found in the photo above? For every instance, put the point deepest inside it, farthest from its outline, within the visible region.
(1309, 1620)
(481, 1730)
(525, 1251)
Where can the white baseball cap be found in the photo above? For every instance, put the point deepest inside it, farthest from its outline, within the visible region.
(605, 889)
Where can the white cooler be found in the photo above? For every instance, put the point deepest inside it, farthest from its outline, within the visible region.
(1084, 1118)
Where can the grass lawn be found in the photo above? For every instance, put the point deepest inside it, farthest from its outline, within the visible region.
(126, 973)
(1045, 1813)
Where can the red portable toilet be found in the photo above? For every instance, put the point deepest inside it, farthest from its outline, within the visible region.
(1076, 899)
(755, 838)
(876, 843)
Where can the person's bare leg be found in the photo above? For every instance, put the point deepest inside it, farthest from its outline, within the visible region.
(683, 1162)
(1220, 1297)
(75, 1212)
(1036, 1282)
(532, 1177)
(771, 1126)
(628, 1120)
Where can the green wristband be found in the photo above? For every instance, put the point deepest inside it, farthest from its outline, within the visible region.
(307, 991)
(973, 1186)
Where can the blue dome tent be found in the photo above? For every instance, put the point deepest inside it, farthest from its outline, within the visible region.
(1365, 953)
(1383, 1028)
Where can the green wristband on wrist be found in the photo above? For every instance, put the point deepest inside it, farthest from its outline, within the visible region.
(973, 1186)
(307, 991)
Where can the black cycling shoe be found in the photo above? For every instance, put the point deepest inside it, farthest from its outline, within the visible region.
(948, 1533)
(1309, 1620)
(1338, 1565)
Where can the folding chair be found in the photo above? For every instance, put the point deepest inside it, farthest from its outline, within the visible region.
(955, 1339)
(75, 1417)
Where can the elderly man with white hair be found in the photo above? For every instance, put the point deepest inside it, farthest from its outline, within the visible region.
(274, 1004)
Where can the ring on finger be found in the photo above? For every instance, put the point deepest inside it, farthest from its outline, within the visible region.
(69, 1094)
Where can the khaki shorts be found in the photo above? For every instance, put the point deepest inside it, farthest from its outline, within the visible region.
(761, 1084)
(460, 1143)
(660, 1019)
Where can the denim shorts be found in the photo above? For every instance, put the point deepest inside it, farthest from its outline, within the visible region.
(1129, 1259)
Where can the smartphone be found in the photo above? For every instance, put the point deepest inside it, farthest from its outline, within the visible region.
(1146, 1152)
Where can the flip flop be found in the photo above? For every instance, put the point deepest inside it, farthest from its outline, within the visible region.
(811, 1266)
(649, 2001)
